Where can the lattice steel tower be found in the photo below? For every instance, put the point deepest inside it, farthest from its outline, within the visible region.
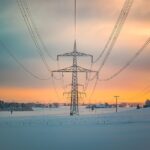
(74, 69)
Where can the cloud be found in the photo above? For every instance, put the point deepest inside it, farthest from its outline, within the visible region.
(54, 20)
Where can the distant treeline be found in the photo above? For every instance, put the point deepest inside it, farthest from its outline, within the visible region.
(9, 106)
(14, 106)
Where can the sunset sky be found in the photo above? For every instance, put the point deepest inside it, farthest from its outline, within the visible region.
(55, 23)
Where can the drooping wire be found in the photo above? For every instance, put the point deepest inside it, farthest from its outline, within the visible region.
(28, 9)
(115, 33)
(35, 37)
(123, 68)
(62, 76)
(112, 38)
(117, 27)
(115, 38)
(6, 49)
(93, 89)
(42, 42)
(32, 33)
(55, 89)
(129, 62)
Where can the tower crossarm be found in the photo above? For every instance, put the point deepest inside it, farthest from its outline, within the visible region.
(75, 53)
(65, 55)
(71, 69)
(78, 69)
(81, 69)
(79, 93)
(81, 85)
(67, 69)
(84, 55)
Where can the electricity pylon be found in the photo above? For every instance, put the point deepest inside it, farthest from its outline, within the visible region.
(116, 102)
(74, 69)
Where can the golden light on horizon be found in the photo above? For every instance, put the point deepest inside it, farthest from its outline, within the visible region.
(49, 96)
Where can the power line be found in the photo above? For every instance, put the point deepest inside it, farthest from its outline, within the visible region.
(123, 68)
(61, 78)
(93, 90)
(113, 36)
(75, 18)
(26, 13)
(5, 48)
(32, 33)
(117, 27)
(126, 11)
(28, 9)
(55, 89)
(60, 74)
(129, 62)
(35, 36)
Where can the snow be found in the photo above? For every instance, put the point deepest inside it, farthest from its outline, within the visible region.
(56, 130)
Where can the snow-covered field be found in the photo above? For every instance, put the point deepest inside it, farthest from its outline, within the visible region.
(54, 129)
